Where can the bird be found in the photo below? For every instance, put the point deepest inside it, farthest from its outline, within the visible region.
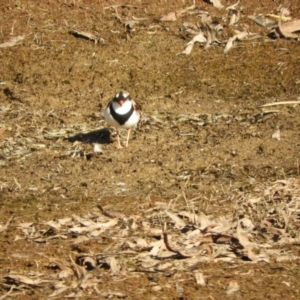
(121, 112)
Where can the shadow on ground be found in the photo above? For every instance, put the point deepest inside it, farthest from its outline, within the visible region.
(101, 136)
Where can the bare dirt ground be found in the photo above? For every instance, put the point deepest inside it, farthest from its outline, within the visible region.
(83, 224)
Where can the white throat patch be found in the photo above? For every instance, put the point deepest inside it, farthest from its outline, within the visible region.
(122, 110)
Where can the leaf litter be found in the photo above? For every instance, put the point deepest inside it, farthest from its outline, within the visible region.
(86, 141)
(182, 234)
(168, 238)
(208, 34)
(172, 16)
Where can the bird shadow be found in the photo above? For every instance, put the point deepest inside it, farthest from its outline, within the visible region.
(101, 136)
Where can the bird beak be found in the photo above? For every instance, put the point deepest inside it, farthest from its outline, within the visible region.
(121, 102)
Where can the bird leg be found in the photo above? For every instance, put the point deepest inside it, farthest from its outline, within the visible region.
(118, 139)
(128, 134)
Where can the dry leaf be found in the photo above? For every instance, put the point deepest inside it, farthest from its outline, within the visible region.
(200, 278)
(287, 28)
(148, 262)
(199, 38)
(156, 288)
(216, 3)
(97, 148)
(139, 19)
(285, 11)
(90, 282)
(115, 267)
(154, 232)
(188, 49)
(81, 239)
(141, 243)
(233, 6)
(245, 226)
(239, 36)
(59, 289)
(286, 283)
(25, 225)
(74, 295)
(172, 16)
(79, 271)
(157, 248)
(276, 135)
(203, 220)
(232, 288)
(287, 258)
(257, 258)
(179, 223)
(169, 17)
(86, 35)
(190, 26)
(164, 266)
(64, 266)
(91, 226)
(17, 238)
(13, 41)
(109, 295)
(211, 32)
(130, 24)
(24, 279)
(65, 273)
(263, 21)
(193, 217)
(179, 288)
(235, 16)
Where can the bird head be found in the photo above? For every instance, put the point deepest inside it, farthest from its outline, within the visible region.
(121, 97)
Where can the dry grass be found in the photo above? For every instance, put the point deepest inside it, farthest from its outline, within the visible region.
(167, 238)
(204, 202)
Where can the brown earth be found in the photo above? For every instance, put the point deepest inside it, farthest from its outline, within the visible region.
(203, 131)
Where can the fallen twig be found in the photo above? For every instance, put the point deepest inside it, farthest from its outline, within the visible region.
(280, 103)
(106, 214)
(7, 294)
(86, 35)
(165, 235)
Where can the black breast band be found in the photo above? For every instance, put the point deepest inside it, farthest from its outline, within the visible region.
(121, 119)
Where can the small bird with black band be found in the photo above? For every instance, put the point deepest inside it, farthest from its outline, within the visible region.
(121, 113)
